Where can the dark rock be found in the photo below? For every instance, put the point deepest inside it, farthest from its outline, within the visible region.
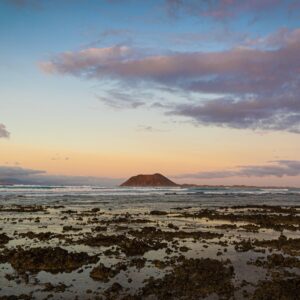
(51, 260)
(149, 180)
(192, 279)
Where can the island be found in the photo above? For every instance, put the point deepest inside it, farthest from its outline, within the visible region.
(153, 180)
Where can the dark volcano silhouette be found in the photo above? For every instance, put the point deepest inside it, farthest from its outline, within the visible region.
(149, 180)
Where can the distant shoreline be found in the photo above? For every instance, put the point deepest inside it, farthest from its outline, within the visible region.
(178, 186)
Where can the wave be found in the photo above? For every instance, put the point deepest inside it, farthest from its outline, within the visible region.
(40, 190)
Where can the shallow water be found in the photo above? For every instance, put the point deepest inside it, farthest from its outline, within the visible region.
(59, 202)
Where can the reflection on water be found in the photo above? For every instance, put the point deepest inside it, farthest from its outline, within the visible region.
(71, 214)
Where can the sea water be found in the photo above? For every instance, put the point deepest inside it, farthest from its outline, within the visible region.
(164, 198)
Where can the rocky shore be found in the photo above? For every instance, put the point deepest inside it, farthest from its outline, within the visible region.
(237, 252)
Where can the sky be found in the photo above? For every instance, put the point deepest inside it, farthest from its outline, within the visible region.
(95, 91)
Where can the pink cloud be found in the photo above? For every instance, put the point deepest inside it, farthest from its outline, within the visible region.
(278, 168)
(236, 70)
(259, 87)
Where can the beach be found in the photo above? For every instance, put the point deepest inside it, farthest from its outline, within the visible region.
(135, 243)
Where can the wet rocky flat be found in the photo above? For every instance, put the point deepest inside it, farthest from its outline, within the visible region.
(182, 252)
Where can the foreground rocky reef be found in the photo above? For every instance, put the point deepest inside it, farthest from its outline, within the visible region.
(94, 252)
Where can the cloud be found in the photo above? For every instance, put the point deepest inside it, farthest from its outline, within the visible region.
(255, 86)
(74, 180)
(3, 132)
(216, 9)
(57, 156)
(25, 3)
(87, 62)
(111, 34)
(19, 175)
(282, 37)
(18, 2)
(213, 37)
(148, 128)
(279, 113)
(120, 100)
(277, 168)
(219, 9)
(198, 71)
(12, 171)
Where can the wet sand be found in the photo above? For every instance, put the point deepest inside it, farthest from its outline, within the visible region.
(98, 252)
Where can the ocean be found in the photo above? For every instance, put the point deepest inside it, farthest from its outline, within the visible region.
(147, 197)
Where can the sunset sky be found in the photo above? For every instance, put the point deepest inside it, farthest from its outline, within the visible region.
(96, 91)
